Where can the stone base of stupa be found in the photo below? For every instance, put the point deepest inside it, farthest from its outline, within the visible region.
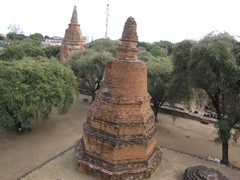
(100, 168)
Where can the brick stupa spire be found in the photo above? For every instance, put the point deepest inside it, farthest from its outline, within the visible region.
(128, 49)
(74, 19)
(119, 137)
(73, 40)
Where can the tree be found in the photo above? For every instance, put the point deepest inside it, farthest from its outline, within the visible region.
(14, 28)
(157, 52)
(104, 44)
(46, 37)
(89, 69)
(77, 55)
(159, 76)
(52, 51)
(231, 116)
(21, 49)
(144, 45)
(13, 36)
(88, 66)
(37, 37)
(12, 53)
(180, 86)
(145, 56)
(211, 66)
(167, 45)
(15, 32)
(30, 89)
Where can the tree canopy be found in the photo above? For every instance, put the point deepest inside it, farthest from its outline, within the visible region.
(30, 89)
(166, 45)
(213, 65)
(180, 87)
(159, 76)
(157, 51)
(210, 65)
(20, 49)
(88, 66)
(145, 56)
(52, 51)
(104, 44)
(37, 37)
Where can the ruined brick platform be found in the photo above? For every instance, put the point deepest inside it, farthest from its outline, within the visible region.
(203, 172)
(120, 137)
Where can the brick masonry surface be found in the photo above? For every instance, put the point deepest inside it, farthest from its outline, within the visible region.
(119, 138)
(73, 40)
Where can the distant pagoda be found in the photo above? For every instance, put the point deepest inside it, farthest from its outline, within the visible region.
(120, 136)
(73, 40)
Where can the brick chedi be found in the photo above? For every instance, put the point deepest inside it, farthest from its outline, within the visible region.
(119, 138)
(73, 40)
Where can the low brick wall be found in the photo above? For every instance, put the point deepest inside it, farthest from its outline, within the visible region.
(184, 114)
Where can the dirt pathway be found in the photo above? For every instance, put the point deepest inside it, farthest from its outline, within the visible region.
(21, 153)
(194, 137)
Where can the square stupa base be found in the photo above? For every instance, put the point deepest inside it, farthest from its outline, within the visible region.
(132, 169)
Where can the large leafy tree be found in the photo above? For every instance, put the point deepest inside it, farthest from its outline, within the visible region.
(145, 56)
(167, 45)
(30, 89)
(37, 37)
(20, 49)
(89, 68)
(157, 51)
(159, 76)
(14, 37)
(211, 66)
(52, 51)
(214, 69)
(147, 46)
(104, 44)
(180, 86)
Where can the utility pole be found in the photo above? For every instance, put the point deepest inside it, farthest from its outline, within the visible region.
(107, 20)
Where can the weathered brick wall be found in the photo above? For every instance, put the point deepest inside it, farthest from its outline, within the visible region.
(120, 137)
(120, 127)
(127, 79)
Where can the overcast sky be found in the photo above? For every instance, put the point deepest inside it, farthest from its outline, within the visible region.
(172, 20)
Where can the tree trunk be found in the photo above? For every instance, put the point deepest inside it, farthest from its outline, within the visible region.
(223, 135)
(93, 96)
(94, 91)
(224, 153)
(155, 110)
(155, 114)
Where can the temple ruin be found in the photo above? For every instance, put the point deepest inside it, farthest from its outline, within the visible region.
(120, 136)
(73, 40)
